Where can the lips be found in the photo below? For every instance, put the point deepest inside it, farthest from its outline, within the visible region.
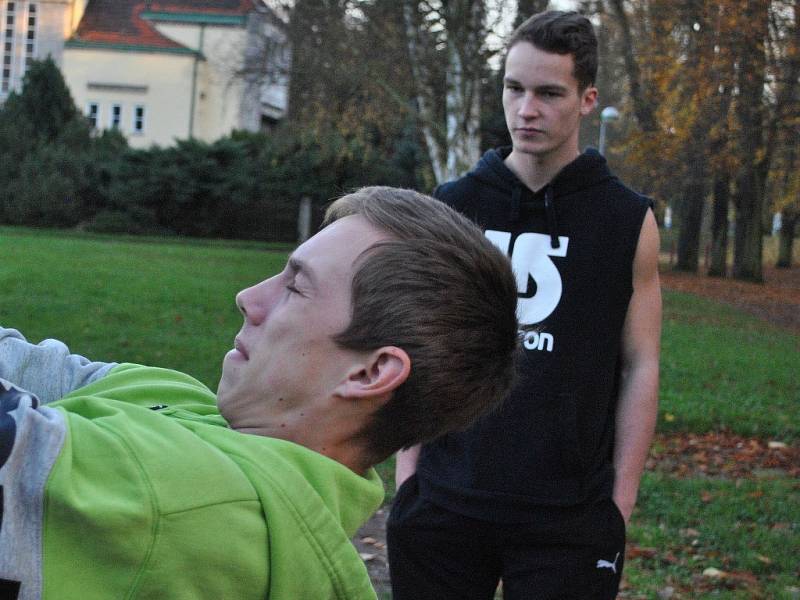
(528, 130)
(237, 343)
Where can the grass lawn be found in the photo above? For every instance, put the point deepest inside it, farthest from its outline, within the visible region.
(161, 303)
(171, 303)
(721, 369)
(746, 529)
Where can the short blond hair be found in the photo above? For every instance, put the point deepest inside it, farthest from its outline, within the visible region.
(441, 291)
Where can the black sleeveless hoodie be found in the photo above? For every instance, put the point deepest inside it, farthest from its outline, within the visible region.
(572, 245)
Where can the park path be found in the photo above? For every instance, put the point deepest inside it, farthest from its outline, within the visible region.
(777, 301)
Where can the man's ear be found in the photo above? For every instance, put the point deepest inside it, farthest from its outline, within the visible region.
(381, 373)
(588, 100)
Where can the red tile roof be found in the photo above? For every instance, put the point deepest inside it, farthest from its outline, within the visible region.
(119, 21)
(218, 7)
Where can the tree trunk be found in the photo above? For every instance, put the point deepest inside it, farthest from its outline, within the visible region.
(697, 147)
(749, 197)
(748, 246)
(454, 142)
(789, 221)
(691, 216)
(718, 266)
(465, 24)
(427, 113)
(785, 106)
(643, 106)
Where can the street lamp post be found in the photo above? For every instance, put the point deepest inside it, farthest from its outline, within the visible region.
(609, 114)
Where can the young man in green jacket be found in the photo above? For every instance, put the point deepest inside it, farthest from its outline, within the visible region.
(394, 324)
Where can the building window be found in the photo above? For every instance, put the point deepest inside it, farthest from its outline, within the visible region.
(30, 45)
(8, 46)
(116, 115)
(92, 112)
(138, 119)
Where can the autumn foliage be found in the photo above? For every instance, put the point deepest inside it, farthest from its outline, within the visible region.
(713, 89)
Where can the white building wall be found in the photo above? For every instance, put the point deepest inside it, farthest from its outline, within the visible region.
(158, 82)
(219, 88)
(51, 26)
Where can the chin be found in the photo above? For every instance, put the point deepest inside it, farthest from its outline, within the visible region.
(222, 406)
(222, 395)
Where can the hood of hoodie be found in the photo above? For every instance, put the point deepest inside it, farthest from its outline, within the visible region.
(588, 170)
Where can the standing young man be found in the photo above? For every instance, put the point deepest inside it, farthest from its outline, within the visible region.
(538, 493)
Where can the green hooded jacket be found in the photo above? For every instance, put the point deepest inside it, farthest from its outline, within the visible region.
(153, 496)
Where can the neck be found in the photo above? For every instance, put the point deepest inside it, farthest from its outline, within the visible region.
(338, 442)
(537, 171)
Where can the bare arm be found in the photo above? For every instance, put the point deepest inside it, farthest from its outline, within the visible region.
(637, 408)
(406, 464)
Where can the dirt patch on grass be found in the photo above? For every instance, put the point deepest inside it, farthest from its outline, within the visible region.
(722, 454)
(370, 541)
(777, 300)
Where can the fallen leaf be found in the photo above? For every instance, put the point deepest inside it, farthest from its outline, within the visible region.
(706, 496)
(640, 552)
(776, 445)
(369, 540)
(714, 573)
(366, 557)
(764, 559)
(689, 532)
(670, 558)
(669, 418)
(742, 576)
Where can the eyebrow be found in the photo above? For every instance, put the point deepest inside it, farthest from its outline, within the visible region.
(297, 266)
(551, 87)
(545, 87)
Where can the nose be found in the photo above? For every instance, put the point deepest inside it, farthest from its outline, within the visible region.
(528, 107)
(253, 302)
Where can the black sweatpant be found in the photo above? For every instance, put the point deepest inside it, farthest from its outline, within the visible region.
(572, 553)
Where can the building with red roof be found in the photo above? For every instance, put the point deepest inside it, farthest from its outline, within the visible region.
(165, 70)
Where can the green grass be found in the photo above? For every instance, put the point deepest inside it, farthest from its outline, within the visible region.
(721, 369)
(160, 303)
(171, 303)
(746, 528)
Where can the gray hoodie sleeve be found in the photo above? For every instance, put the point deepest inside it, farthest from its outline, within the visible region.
(47, 369)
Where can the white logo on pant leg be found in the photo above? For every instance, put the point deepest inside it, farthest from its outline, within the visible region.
(604, 564)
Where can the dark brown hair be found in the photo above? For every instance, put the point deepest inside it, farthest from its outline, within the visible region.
(562, 32)
(446, 295)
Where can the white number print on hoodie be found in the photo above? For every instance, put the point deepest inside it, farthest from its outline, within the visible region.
(538, 280)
